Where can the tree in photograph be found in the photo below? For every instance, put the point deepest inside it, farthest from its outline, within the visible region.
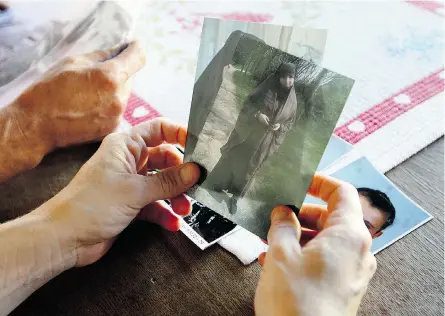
(246, 45)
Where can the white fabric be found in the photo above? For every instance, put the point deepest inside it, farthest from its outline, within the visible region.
(244, 245)
(406, 135)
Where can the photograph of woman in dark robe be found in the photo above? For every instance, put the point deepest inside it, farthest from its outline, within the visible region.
(267, 115)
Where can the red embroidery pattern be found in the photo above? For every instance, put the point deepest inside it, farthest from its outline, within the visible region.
(387, 110)
(432, 6)
(240, 16)
(138, 111)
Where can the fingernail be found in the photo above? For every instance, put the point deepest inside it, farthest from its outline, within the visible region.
(203, 174)
(187, 173)
(280, 212)
(295, 209)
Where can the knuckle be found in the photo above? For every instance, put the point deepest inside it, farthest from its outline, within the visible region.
(366, 243)
(136, 141)
(361, 240)
(106, 79)
(348, 189)
(132, 145)
(168, 149)
(32, 162)
(113, 138)
(372, 264)
(137, 138)
(116, 107)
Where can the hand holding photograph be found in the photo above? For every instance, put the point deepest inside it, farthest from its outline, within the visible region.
(260, 121)
(387, 212)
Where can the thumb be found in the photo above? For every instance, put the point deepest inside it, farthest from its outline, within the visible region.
(285, 229)
(171, 182)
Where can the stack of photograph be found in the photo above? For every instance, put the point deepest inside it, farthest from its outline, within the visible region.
(261, 124)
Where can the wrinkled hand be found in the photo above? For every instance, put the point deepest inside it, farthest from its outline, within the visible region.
(113, 188)
(79, 99)
(82, 98)
(263, 119)
(330, 274)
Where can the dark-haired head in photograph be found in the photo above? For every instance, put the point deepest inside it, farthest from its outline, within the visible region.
(378, 210)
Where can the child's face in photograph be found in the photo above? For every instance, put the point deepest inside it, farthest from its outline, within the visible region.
(373, 217)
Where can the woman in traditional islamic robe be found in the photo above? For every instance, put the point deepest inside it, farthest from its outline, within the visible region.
(267, 115)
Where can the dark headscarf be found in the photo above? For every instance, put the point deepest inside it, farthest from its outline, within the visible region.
(286, 69)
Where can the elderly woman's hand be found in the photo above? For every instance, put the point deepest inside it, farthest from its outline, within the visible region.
(79, 99)
(113, 188)
(330, 274)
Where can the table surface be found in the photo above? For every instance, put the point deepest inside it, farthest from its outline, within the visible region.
(153, 272)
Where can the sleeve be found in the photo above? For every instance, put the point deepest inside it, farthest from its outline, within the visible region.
(289, 123)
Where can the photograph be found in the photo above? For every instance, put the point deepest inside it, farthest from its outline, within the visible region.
(204, 226)
(259, 123)
(387, 212)
(335, 150)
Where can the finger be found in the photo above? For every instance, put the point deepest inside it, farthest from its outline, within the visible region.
(181, 205)
(307, 236)
(311, 215)
(344, 218)
(342, 198)
(124, 62)
(262, 258)
(163, 156)
(170, 182)
(285, 231)
(105, 54)
(138, 150)
(160, 130)
(143, 171)
(161, 214)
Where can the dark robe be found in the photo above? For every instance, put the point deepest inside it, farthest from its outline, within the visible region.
(250, 142)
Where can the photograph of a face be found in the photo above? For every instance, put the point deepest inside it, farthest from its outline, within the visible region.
(387, 212)
(261, 130)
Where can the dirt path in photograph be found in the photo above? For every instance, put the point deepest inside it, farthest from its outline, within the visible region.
(220, 121)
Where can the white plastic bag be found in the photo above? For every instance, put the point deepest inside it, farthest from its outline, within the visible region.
(75, 28)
